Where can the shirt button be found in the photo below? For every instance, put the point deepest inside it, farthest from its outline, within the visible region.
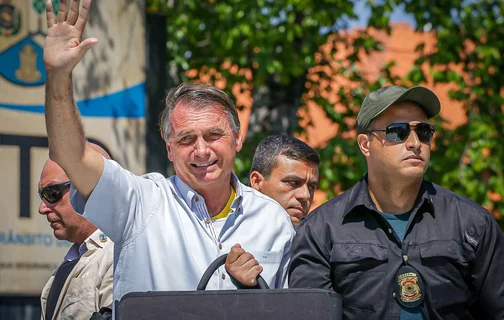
(196, 199)
(207, 220)
(390, 231)
(223, 276)
(393, 294)
(405, 258)
(220, 246)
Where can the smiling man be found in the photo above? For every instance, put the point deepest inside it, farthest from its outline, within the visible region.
(396, 246)
(166, 231)
(286, 169)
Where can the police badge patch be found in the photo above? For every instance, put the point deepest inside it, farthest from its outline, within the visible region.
(409, 287)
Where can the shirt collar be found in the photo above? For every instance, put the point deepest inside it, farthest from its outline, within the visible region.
(76, 251)
(359, 196)
(239, 192)
(188, 194)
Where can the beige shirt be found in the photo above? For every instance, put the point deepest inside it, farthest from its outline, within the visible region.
(89, 286)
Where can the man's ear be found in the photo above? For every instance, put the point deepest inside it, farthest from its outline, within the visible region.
(256, 180)
(168, 151)
(363, 140)
(239, 142)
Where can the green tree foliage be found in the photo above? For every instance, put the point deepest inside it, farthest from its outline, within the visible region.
(468, 54)
(280, 43)
(275, 40)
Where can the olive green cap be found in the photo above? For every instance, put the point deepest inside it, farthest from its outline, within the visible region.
(378, 101)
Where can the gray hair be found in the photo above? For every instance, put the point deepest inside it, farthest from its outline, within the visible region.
(199, 96)
(265, 156)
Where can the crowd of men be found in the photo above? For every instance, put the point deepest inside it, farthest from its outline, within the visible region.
(393, 246)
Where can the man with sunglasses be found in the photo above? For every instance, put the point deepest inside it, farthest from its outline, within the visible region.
(396, 246)
(83, 283)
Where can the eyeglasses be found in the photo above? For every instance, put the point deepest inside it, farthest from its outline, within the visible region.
(399, 132)
(54, 193)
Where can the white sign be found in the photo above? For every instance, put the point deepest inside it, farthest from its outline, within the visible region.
(109, 89)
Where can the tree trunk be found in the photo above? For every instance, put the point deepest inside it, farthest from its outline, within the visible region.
(275, 106)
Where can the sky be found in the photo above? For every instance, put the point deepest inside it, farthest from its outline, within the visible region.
(397, 16)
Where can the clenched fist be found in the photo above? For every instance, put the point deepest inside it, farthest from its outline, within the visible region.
(243, 266)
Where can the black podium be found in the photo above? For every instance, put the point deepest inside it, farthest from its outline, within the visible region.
(249, 304)
(269, 304)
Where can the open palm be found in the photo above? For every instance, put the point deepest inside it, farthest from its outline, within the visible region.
(64, 47)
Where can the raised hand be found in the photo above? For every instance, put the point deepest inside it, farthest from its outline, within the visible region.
(64, 47)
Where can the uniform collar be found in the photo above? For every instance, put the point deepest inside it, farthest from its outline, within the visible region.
(96, 240)
(360, 197)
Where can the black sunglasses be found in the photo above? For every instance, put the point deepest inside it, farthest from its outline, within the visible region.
(54, 193)
(399, 132)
